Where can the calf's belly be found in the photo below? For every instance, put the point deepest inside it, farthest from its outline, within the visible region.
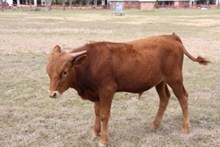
(137, 86)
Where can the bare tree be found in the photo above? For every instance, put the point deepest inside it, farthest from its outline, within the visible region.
(80, 2)
(64, 4)
(95, 3)
(103, 3)
(30, 4)
(35, 3)
(70, 3)
(18, 3)
(49, 5)
(88, 2)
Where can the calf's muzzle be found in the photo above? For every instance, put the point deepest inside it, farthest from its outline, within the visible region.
(54, 94)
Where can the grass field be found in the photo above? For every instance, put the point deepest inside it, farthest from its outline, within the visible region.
(29, 118)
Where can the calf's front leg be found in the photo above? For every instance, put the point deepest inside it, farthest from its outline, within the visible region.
(106, 97)
(97, 125)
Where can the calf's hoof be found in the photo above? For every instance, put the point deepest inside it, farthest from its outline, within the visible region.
(185, 128)
(185, 131)
(94, 135)
(102, 145)
(154, 127)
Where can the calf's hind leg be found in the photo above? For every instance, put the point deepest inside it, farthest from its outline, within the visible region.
(164, 95)
(182, 95)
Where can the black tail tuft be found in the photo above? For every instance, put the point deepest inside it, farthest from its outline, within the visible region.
(202, 60)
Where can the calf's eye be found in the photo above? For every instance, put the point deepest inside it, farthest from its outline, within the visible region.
(65, 73)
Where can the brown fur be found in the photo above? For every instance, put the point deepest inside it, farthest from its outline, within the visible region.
(134, 66)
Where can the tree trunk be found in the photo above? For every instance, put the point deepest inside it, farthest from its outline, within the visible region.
(35, 3)
(70, 3)
(63, 1)
(49, 4)
(95, 3)
(103, 3)
(88, 2)
(18, 3)
(207, 2)
(30, 4)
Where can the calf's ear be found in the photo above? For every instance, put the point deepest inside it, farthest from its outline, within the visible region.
(57, 49)
(79, 60)
(78, 57)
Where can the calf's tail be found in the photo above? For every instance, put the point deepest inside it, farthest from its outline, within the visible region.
(199, 59)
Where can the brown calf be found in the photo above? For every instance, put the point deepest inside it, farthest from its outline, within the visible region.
(100, 69)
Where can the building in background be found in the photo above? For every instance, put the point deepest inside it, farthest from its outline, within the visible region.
(152, 4)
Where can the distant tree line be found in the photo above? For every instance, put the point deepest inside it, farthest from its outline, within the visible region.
(75, 2)
(71, 3)
(78, 2)
(207, 2)
(64, 3)
(100, 2)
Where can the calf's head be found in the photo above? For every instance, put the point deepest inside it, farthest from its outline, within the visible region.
(61, 69)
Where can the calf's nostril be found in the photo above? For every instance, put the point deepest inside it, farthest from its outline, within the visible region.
(52, 95)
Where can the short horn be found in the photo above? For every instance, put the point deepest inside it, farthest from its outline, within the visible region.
(57, 49)
(77, 53)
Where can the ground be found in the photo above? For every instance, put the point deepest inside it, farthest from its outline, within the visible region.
(28, 117)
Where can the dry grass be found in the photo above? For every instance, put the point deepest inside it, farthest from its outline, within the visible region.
(29, 118)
